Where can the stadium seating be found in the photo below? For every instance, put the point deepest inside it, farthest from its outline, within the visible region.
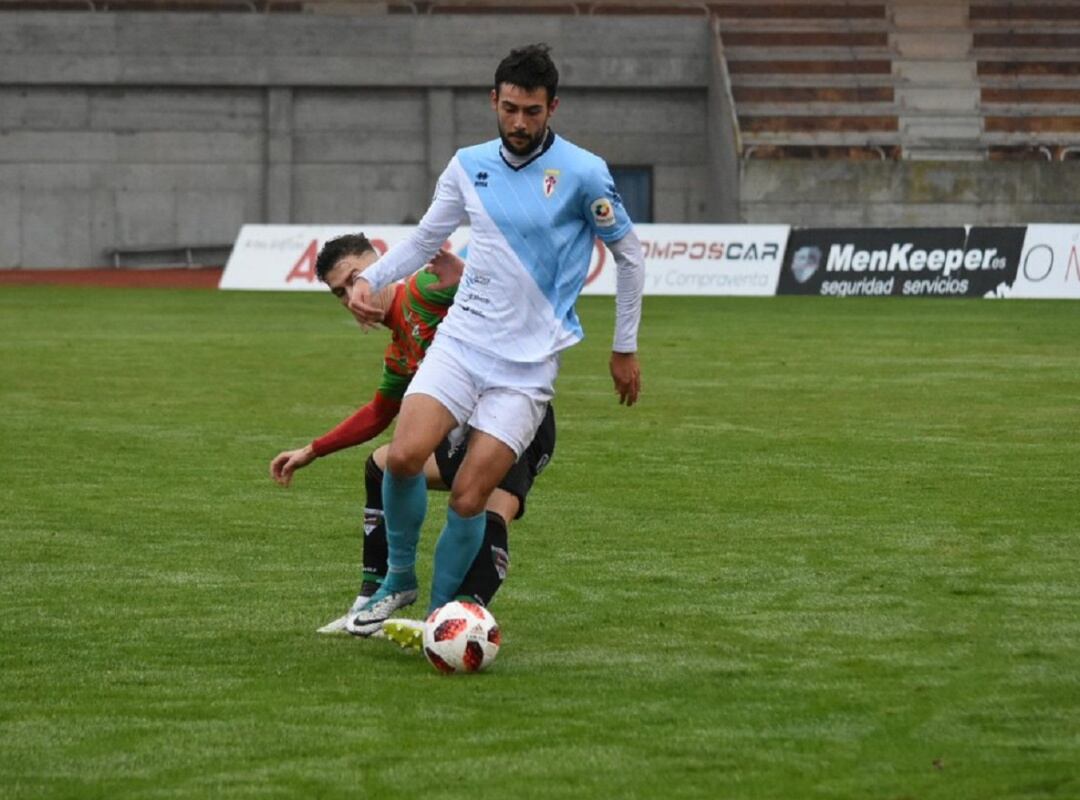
(1029, 77)
(913, 79)
(811, 79)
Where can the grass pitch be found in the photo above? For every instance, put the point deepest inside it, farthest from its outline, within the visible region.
(832, 554)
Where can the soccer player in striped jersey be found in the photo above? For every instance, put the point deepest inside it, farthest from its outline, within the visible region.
(412, 311)
(534, 203)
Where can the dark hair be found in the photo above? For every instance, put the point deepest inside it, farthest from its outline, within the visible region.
(351, 244)
(529, 67)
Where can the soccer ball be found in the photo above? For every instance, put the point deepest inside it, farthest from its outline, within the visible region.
(461, 637)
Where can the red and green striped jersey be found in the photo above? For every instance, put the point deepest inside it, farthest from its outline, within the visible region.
(413, 317)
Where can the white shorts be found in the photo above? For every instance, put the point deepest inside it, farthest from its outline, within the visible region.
(504, 399)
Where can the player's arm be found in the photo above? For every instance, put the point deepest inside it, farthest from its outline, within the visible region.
(361, 426)
(610, 222)
(629, 286)
(445, 214)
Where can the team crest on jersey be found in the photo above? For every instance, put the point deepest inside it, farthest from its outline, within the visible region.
(551, 178)
(603, 213)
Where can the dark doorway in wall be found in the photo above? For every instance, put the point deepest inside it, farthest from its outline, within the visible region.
(635, 184)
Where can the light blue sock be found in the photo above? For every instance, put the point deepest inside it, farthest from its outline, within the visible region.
(404, 507)
(458, 545)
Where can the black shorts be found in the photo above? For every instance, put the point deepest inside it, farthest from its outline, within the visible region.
(519, 479)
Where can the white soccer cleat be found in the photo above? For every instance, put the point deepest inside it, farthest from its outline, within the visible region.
(368, 620)
(340, 624)
(335, 626)
(406, 633)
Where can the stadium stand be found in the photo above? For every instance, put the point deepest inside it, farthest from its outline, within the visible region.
(811, 79)
(1029, 77)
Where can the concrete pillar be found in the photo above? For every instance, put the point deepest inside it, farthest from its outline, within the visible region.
(277, 197)
(723, 136)
(441, 135)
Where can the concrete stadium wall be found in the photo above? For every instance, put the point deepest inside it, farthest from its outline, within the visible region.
(909, 193)
(129, 129)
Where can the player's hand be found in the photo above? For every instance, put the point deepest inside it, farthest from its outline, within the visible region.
(626, 373)
(362, 304)
(285, 464)
(447, 267)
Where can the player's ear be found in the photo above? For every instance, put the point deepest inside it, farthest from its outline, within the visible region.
(494, 99)
(553, 105)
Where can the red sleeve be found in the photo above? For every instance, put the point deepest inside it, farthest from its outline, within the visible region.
(367, 423)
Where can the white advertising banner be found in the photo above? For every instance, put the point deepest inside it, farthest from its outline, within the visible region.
(679, 259)
(1049, 264)
(282, 257)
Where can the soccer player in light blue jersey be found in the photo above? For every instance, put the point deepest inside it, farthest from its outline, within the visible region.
(534, 203)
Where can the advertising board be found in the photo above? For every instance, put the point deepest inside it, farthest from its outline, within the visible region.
(906, 262)
(679, 259)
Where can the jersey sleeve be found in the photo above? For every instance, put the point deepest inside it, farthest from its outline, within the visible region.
(363, 425)
(603, 208)
(445, 215)
(393, 383)
(372, 419)
(629, 287)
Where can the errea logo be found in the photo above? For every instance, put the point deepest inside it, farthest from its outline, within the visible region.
(481, 179)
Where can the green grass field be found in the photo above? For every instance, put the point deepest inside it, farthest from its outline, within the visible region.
(832, 554)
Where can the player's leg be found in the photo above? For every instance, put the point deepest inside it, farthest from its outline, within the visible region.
(486, 462)
(492, 562)
(507, 502)
(504, 422)
(441, 396)
(489, 569)
(374, 541)
(374, 549)
(485, 575)
(374, 545)
(422, 423)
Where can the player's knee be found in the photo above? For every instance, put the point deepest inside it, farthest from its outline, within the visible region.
(379, 456)
(467, 501)
(403, 463)
(503, 503)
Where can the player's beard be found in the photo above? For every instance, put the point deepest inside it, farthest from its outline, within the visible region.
(522, 147)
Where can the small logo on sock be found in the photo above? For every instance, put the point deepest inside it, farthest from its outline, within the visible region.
(372, 518)
(501, 559)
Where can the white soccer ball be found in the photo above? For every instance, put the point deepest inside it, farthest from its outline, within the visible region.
(461, 637)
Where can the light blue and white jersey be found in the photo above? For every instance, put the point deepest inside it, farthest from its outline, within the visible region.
(531, 241)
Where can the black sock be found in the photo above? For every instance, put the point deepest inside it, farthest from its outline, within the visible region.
(489, 568)
(374, 549)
